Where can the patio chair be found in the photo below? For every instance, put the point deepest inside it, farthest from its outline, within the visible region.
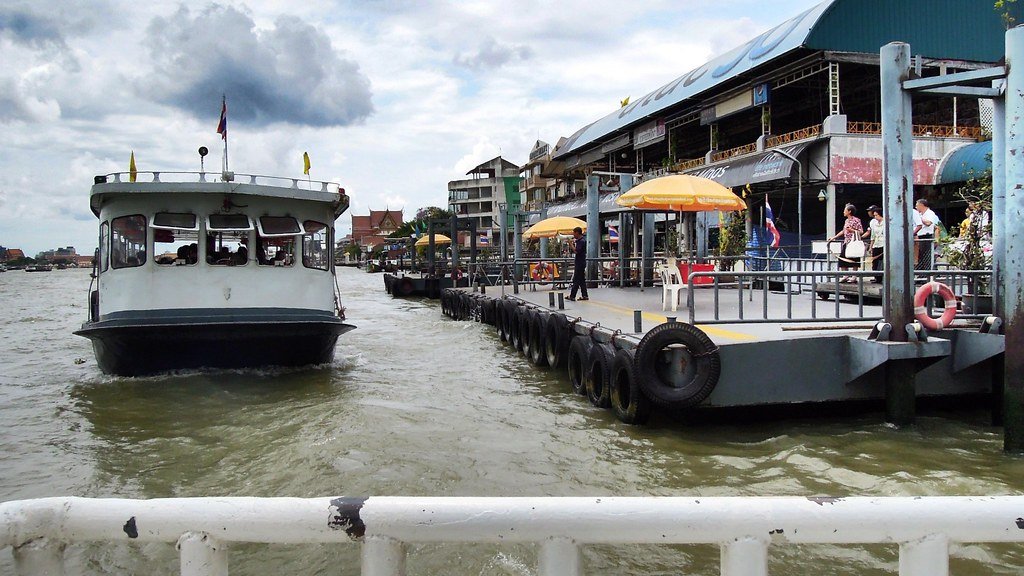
(671, 287)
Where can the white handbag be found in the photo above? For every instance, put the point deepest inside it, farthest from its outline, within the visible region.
(855, 249)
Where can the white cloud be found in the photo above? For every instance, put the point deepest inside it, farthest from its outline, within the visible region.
(454, 84)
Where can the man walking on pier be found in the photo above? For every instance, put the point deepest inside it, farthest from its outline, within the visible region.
(579, 265)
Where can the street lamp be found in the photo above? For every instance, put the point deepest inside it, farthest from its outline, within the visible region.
(799, 199)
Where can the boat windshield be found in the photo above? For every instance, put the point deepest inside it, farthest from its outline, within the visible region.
(275, 251)
(316, 244)
(128, 241)
(175, 239)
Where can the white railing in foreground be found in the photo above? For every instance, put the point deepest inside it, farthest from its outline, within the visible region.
(744, 528)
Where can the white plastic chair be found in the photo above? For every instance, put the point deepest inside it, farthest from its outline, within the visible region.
(671, 287)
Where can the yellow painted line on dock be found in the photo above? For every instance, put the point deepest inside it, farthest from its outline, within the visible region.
(654, 317)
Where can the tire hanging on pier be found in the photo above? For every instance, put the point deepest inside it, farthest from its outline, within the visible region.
(677, 365)
(500, 319)
(524, 330)
(513, 325)
(629, 404)
(556, 340)
(404, 286)
(597, 375)
(538, 347)
(579, 352)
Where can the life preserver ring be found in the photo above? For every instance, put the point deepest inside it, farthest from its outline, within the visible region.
(541, 272)
(921, 310)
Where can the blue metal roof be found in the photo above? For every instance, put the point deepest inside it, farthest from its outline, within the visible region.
(966, 162)
(958, 29)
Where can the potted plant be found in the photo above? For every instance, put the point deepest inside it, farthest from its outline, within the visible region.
(732, 241)
(971, 249)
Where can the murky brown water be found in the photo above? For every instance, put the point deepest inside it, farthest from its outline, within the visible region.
(417, 404)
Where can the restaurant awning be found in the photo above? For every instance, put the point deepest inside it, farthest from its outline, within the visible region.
(763, 167)
(964, 163)
(577, 207)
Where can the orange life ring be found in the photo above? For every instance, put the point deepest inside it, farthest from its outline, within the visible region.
(921, 311)
(541, 271)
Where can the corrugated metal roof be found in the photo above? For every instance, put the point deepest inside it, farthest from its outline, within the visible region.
(966, 162)
(951, 29)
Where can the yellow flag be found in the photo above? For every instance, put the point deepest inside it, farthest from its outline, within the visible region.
(305, 162)
(624, 103)
(132, 172)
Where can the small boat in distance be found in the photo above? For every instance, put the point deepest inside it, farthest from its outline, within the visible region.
(243, 273)
(39, 268)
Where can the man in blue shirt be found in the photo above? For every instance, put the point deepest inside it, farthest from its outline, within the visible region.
(579, 268)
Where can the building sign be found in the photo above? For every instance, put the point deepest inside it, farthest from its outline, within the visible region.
(539, 149)
(761, 94)
(650, 133)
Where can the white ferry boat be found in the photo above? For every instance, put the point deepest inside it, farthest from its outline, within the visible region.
(233, 271)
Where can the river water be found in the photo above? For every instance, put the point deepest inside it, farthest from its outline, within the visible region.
(417, 404)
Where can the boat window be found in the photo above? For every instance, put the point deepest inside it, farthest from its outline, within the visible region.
(221, 222)
(175, 247)
(316, 245)
(269, 226)
(228, 248)
(175, 220)
(128, 241)
(104, 243)
(275, 250)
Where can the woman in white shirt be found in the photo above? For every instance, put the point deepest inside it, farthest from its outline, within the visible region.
(876, 233)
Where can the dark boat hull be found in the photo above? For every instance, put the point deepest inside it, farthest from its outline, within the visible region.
(150, 342)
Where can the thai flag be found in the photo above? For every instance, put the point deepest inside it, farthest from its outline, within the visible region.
(222, 127)
(769, 223)
(613, 234)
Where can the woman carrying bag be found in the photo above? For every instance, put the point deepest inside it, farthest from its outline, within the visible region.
(853, 246)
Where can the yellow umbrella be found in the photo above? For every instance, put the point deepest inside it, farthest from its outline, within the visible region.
(681, 193)
(554, 226)
(438, 239)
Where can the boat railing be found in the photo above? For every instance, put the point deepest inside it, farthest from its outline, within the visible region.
(257, 179)
(745, 529)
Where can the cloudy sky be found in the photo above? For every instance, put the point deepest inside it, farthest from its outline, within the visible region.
(392, 99)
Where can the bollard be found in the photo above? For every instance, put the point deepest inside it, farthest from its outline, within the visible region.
(561, 301)
(638, 322)
(551, 299)
(483, 289)
(670, 318)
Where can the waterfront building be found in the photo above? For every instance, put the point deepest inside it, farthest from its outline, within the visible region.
(372, 230)
(795, 114)
(9, 254)
(481, 197)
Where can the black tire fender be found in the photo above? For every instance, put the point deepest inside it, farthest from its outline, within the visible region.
(677, 365)
(525, 318)
(556, 340)
(597, 375)
(538, 330)
(629, 404)
(513, 325)
(500, 313)
(404, 286)
(576, 362)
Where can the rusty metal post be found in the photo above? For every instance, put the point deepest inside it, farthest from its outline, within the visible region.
(593, 227)
(898, 201)
(517, 242)
(1013, 275)
(646, 264)
(999, 227)
(544, 241)
(625, 185)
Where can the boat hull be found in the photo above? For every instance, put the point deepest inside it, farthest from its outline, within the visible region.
(154, 341)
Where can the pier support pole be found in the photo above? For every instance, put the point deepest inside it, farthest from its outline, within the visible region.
(1013, 274)
(647, 254)
(999, 227)
(898, 199)
(593, 227)
(517, 250)
(503, 230)
(625, 185)
(544, 241)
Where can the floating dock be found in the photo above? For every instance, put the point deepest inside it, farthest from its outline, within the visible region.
(624, 352)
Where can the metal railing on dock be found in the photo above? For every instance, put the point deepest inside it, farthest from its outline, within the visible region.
(745, 528)
(744, 286)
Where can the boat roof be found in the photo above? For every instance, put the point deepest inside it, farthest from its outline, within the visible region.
(121, 183)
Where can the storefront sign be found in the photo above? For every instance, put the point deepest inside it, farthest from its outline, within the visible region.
(650, 133)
